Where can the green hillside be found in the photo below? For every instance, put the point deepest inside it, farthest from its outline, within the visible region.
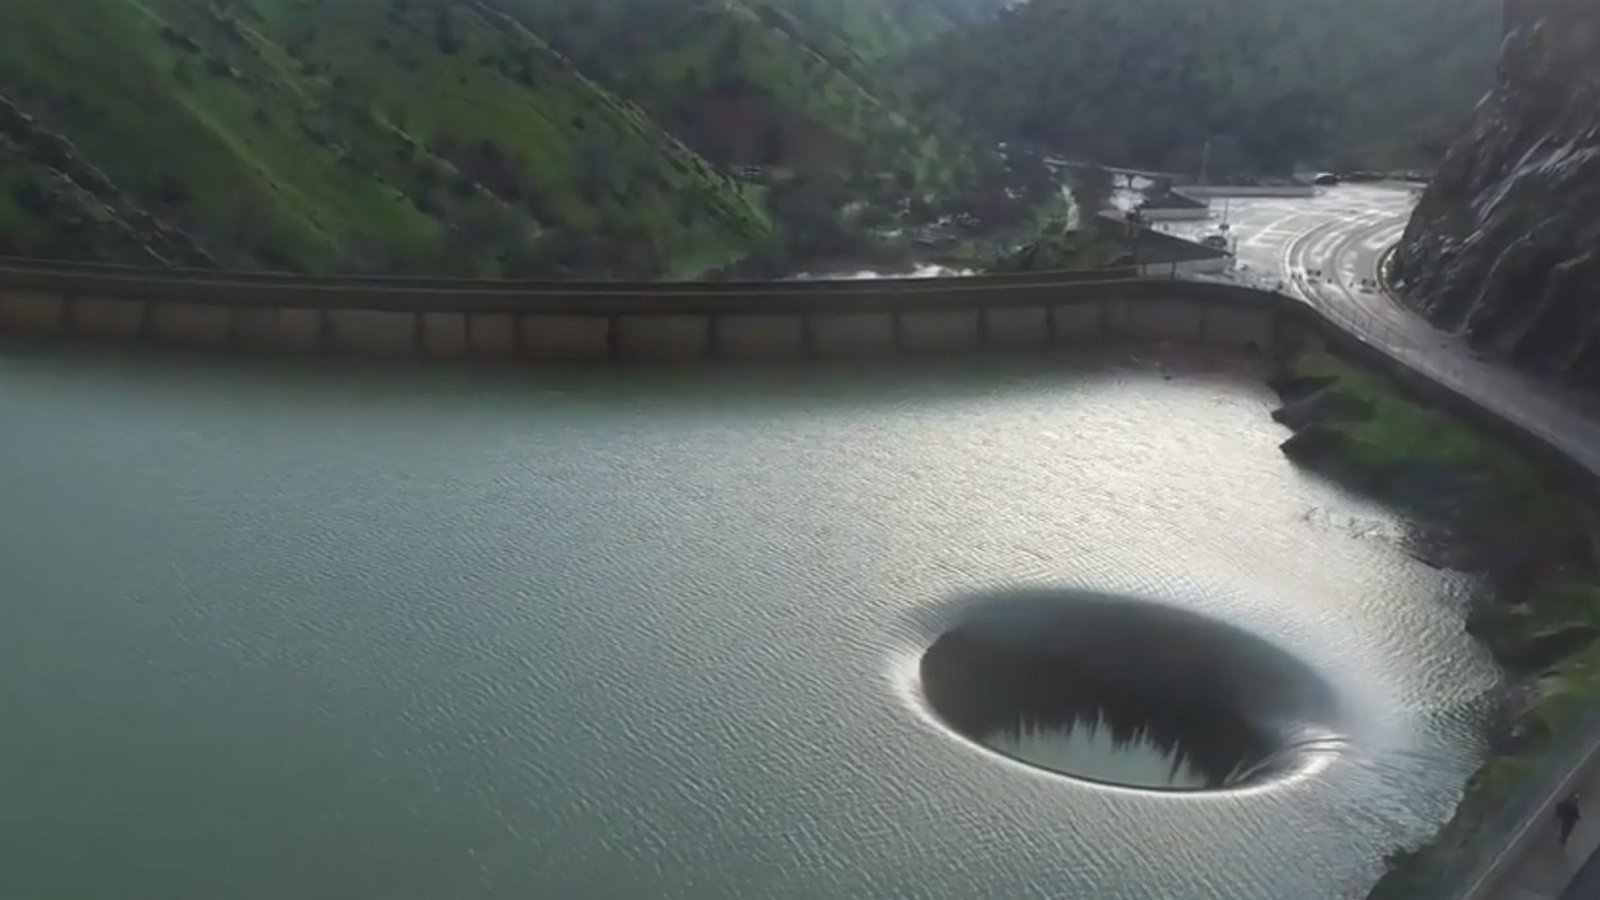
(791, 94)
(776, 83)
(1268, 82)
(362, 135)
(871, 32)
(648, 138)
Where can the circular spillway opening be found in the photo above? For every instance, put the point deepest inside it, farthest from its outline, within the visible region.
(1129, 693)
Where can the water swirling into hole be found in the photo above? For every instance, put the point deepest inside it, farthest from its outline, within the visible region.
(1140, 758)
(1127, 692)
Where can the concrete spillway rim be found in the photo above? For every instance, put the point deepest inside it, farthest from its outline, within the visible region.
(1290, 716)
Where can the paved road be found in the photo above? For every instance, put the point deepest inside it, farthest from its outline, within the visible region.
(1322, 250)
(1586, 884)
(1326, 251)
(1277, 236)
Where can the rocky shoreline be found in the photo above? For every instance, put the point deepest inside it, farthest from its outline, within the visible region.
(1479, 507)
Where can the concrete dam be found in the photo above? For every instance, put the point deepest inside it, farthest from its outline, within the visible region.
(589, 322)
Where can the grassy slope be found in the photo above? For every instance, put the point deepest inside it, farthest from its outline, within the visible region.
(41, 231)
(1399, 431)
(115, 90)
(20, 230)
(306, 133)
(805, 63)
(46, 214)
(872, 31)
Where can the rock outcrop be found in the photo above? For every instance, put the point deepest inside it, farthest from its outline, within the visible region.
(1505, 245)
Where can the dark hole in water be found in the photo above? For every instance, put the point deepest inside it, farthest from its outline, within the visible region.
(1124, 692)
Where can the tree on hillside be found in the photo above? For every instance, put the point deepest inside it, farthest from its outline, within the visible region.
(807, 211)
(1056, 247)
(1091, 187)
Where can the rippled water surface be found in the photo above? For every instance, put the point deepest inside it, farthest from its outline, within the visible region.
(313, 630)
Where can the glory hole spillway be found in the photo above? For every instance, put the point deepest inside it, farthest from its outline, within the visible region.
(314, 629)
(1123, 692)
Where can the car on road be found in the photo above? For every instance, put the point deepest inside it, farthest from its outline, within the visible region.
(1325, 179)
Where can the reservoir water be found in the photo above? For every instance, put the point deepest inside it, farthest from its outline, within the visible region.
(315, 630)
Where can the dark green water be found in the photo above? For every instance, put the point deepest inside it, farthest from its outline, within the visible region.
(315, 630)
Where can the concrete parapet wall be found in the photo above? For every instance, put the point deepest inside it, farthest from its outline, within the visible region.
(367, 332)
(1165, 320)
(30, 312)
(278, 330)
(1114, 316)
(444, 335)
(107, 317)
(190, 325)
(1017, 328)
(492, 335)
(1076, 322)
(951, 316)
(773, 321)
(853, 334)
(941, 331)
(668, 337)
(565, 338)
(761, 337)
(1244, 327)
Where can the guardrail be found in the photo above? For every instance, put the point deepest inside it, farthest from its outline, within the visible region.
(265, 289)
(15, 270)
(253, 289)
(446, 318)
(1512, 830)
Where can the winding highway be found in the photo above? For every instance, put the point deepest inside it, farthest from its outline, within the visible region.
(1338, 232)
(1327, 251)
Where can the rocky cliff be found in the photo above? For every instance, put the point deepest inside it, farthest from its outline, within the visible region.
(1505, 244)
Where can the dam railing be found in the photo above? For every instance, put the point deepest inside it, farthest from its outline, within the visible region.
(449, 318)
(50, 274)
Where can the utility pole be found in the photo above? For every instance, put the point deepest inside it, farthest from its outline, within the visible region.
(1205, 162)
